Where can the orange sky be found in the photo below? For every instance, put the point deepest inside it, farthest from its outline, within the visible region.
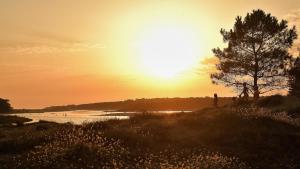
(56, 52)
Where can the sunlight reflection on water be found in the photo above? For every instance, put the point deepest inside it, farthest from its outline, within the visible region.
(80, 116)
(76, 117)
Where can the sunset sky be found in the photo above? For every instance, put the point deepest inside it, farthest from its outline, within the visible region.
(56, 52)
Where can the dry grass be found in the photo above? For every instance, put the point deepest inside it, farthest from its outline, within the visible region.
(210, 139)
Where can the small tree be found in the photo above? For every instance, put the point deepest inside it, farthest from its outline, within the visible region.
(5, 107)
(294, 81)
(257, 53)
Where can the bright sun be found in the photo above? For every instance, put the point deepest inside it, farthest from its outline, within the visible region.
(168, 51)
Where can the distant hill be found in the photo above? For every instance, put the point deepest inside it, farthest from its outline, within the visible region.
(153, 104)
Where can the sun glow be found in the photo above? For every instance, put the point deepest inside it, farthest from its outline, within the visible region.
(168, 51)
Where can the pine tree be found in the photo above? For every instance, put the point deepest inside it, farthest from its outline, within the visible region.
(257, 53)
(294, 82)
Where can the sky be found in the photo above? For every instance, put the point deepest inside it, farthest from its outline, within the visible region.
(58, 52)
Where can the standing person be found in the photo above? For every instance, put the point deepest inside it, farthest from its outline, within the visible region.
(245, 92)
(215, 100)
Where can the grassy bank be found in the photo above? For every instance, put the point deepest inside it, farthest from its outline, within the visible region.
(7, 121)
(211, 138)
(278, 103)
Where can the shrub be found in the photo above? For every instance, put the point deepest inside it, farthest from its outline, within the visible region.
(5, 106)
(270, 101)
(294, 111)
(13, 119)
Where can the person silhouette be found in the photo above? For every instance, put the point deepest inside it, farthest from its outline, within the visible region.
(215, 100)
(245, 92)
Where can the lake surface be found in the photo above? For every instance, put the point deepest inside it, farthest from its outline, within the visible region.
(80, 116)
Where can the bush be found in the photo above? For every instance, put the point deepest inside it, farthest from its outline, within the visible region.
(13, 119)
(294, 111)
(270, 101)
(42, 126)
(5, 107)
(20, 144)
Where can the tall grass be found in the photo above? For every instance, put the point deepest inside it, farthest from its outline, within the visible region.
(87, 147)
(257, 113)
(221, 138)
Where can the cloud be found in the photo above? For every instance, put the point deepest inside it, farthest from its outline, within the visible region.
(209, 61)
(294, 17)
(40, 42)
(35, 48)
(41, 35)
(207, 65)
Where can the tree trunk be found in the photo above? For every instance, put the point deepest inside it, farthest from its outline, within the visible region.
(255, 92)
(255, 78)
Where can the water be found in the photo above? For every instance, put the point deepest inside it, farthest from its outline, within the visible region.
(76, 117)
(80, 116)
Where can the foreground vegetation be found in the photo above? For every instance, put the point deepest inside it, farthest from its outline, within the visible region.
(228, 137)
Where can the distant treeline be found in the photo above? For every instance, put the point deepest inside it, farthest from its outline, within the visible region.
(154, 104)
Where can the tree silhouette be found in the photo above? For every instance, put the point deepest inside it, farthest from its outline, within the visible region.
(257, 53)
(5, 107)
(294, 81)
